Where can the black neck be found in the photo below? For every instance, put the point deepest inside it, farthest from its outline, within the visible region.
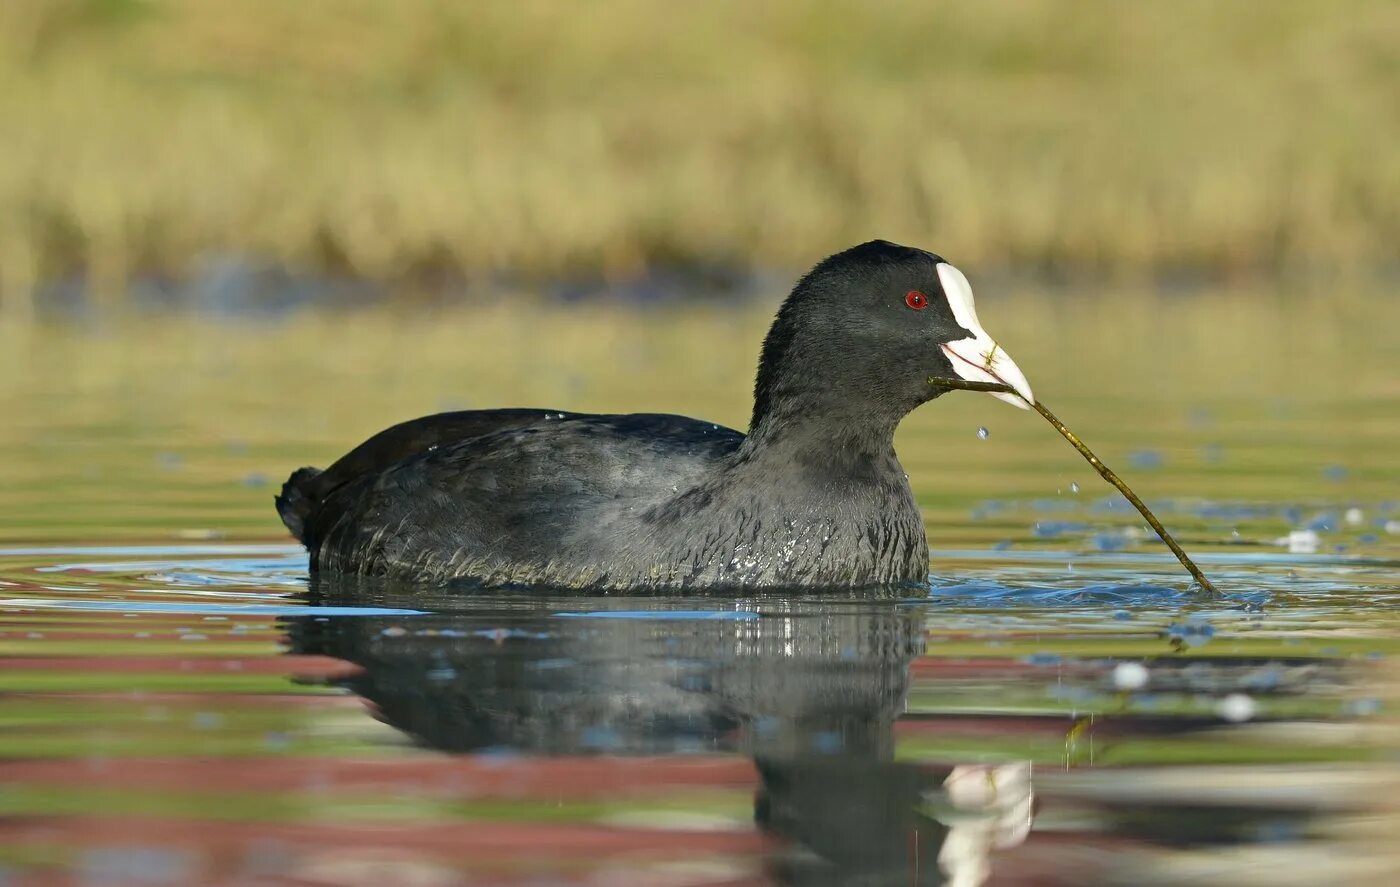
(823, 430)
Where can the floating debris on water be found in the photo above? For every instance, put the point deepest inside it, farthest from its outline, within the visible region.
(1354, 517)
(1074, 486)
(983, 433)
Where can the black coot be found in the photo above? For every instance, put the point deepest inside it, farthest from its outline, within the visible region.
(812, 497)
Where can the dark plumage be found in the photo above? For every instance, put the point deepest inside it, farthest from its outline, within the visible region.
(812, 497)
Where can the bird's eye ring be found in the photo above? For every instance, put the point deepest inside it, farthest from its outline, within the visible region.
(916, 300)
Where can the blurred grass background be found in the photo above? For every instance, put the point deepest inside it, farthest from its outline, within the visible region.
(414, 141)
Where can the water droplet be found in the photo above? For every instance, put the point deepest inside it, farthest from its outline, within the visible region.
(1301, 542)
(1130, 676)
(1073, 486)
(1236, 707)
(983, 433)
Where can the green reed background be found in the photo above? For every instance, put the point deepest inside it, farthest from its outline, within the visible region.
(159, 425)
(393, 139)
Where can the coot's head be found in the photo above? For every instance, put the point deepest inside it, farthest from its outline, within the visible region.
(863, 331)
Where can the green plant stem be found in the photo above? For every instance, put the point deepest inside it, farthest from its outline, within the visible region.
(1104, 471)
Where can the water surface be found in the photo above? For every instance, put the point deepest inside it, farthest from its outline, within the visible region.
(181, 704)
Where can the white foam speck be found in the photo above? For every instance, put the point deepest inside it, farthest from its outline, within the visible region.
(1130, 676)
(1236, 708)
(1300, 541)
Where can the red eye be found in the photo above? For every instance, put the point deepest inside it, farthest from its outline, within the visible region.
(916, 300)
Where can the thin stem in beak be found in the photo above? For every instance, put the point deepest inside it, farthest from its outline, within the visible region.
(1104, 471)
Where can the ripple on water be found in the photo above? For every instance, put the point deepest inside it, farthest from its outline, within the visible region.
(974, 577)
(220, 678)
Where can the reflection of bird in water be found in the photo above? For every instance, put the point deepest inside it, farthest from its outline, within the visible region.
(809, 689)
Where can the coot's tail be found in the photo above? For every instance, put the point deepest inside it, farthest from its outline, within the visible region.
(297, 500)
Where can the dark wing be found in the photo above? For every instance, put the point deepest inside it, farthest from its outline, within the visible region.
(528, 494)
(307, 488)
